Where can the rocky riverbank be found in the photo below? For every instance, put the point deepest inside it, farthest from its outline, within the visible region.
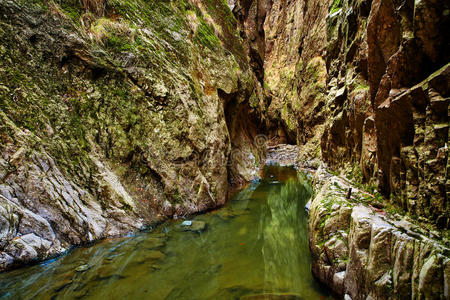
(364, 250)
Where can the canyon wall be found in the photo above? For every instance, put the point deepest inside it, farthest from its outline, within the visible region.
(363, 86)
(394, 76)
(113, 118)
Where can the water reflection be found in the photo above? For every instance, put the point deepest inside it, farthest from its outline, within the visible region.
(254, 248)
(282, 227)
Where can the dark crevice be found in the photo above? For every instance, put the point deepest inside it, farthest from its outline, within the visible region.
(98, 73)
(243, 126)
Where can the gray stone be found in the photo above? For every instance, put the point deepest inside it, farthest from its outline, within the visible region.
(82, 268)
(6, 260)
(195, 226)
(430, 278)
(21, 251)
(338, 282)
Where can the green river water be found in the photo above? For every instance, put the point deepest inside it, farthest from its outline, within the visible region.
(256, 247)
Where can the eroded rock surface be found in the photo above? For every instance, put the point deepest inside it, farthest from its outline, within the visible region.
(115, 118)
(362, 86)
(365, 253)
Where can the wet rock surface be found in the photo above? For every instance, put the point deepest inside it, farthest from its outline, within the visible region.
(194, 226)
(363, 252)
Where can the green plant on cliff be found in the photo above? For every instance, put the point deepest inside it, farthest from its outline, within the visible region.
(205, 35)
(119, 43)
(337, 4)
(361, 86)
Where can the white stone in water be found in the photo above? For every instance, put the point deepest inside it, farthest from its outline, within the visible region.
(82, 268)
(187, 223)
(195, 226)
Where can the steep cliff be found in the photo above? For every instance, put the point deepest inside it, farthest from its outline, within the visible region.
(113, 118)
(397, 129)
(363, 86)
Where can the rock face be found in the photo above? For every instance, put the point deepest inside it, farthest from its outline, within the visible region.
(391, 125)
(123, 113)
(115, 118)
(361, 252)
(362, 86)
(377, 52)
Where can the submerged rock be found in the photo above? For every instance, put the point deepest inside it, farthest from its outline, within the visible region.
(228, 213)
(154, 255)
(62, 284)
(153, 242)
(155, 267)
(195, 226)
(82, 268)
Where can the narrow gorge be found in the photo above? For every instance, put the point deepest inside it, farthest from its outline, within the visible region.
(168, 149)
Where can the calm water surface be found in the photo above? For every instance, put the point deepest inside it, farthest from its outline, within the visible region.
(256, 247)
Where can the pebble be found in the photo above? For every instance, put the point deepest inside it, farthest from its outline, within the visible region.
(82, 268)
